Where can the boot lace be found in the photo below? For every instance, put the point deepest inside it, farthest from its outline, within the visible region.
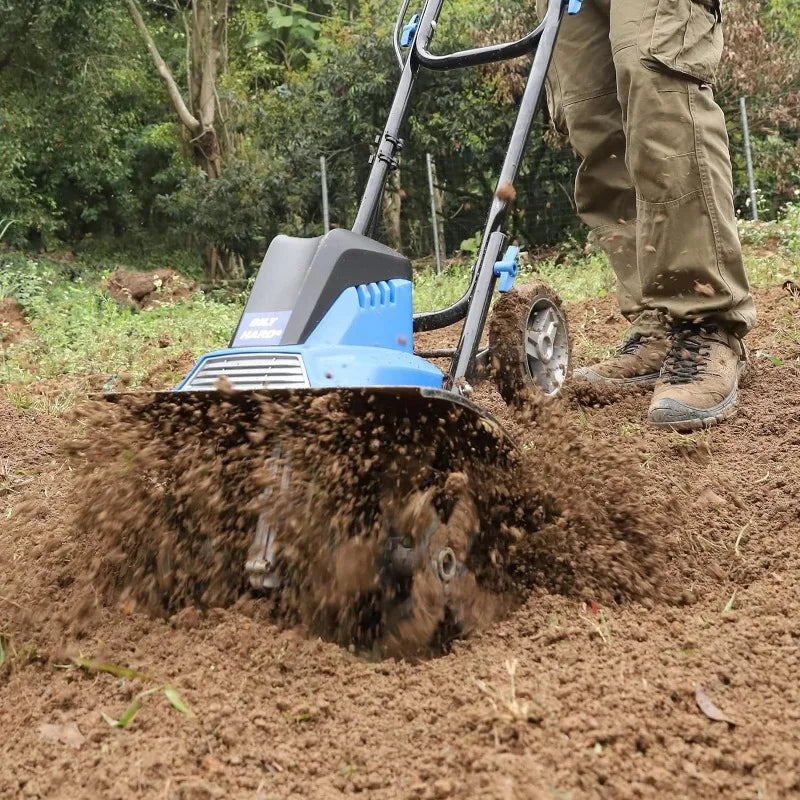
(630, 347)
(688, 354)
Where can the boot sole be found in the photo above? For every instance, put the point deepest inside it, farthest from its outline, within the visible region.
(698, 419)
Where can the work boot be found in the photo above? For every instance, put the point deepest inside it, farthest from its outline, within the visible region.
(699, 381)
(638, 361)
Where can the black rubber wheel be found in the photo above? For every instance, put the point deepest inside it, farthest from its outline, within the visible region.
(529, 342)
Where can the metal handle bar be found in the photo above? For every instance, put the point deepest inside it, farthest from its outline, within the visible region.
(462, 308)
(475, 55)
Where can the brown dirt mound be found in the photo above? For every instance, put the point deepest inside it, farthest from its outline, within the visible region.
(173, 484)
(147, 289)
(13, 324)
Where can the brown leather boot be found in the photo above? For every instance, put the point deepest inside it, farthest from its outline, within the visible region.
(699, 383)
(638, 361)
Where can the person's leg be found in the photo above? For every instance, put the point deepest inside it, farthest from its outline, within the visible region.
(688, 253)
(582, 97)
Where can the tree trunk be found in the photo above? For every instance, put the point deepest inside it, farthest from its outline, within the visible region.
(208, 56)
(392, 206)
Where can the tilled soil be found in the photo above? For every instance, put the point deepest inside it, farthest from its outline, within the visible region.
(581, 691)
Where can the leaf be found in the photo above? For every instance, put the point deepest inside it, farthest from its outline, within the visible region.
(3, 645)
(730, 604)
(708, 708)
(171, 693)
(112, 669)
(127, 715)
(279, 20)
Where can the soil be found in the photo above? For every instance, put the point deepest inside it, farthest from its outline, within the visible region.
(147, 289)
(13, 324)
(658, 600)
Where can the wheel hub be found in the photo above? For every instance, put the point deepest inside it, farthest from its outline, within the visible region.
(546, 345)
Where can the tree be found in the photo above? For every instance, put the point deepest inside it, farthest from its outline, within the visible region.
(201, 116)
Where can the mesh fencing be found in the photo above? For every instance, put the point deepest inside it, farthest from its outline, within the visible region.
(544, 212)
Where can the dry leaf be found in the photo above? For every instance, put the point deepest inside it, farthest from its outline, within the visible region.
(708, 498)
(708, 708)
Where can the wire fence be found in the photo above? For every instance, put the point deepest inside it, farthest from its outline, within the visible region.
(431, 196)
(766, 163)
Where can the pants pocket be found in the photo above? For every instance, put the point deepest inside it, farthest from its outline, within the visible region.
(685, 37)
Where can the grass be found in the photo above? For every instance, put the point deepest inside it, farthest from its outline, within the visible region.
(79, 331)
(574, 275)
(771, 253)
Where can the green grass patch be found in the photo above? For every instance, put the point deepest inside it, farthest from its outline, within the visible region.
(572, 274)
(771, 255)
(78, 330)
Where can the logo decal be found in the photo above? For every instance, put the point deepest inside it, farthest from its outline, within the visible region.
(261, 327)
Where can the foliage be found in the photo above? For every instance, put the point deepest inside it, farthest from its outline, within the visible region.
(92, 159)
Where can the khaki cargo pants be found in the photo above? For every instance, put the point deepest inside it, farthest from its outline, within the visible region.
(630, 85)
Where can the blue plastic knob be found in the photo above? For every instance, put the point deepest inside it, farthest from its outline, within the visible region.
(507, 269)
(409, 31)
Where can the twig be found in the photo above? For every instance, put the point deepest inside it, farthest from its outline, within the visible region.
(9, 600)
(739, 537)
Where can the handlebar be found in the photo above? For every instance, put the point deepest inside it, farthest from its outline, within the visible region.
(478, 55)
(474, 56)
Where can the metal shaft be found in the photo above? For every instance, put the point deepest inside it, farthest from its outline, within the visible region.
(748, 155)
(434, 221)
(326, 220)
(386, 151)
(493, 237)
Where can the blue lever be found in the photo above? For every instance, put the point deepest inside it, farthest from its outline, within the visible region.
(409, 31)
(507, 269)
(574, 6)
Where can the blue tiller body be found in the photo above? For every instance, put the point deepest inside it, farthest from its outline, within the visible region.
(336, 310)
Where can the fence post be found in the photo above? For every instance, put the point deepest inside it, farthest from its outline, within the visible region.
(434, 221)
(323, 168)
(748, 155)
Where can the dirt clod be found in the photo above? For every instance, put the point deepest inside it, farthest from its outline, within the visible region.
(147, 289)
(13, 324)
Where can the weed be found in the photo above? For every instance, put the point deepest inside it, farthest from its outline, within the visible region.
(298, 718)
(79, 330)
(599, 625)
(511, 705)
(629, 429)
(729, 606)
(112, 669)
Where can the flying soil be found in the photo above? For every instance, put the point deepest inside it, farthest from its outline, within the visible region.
(322, 460)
